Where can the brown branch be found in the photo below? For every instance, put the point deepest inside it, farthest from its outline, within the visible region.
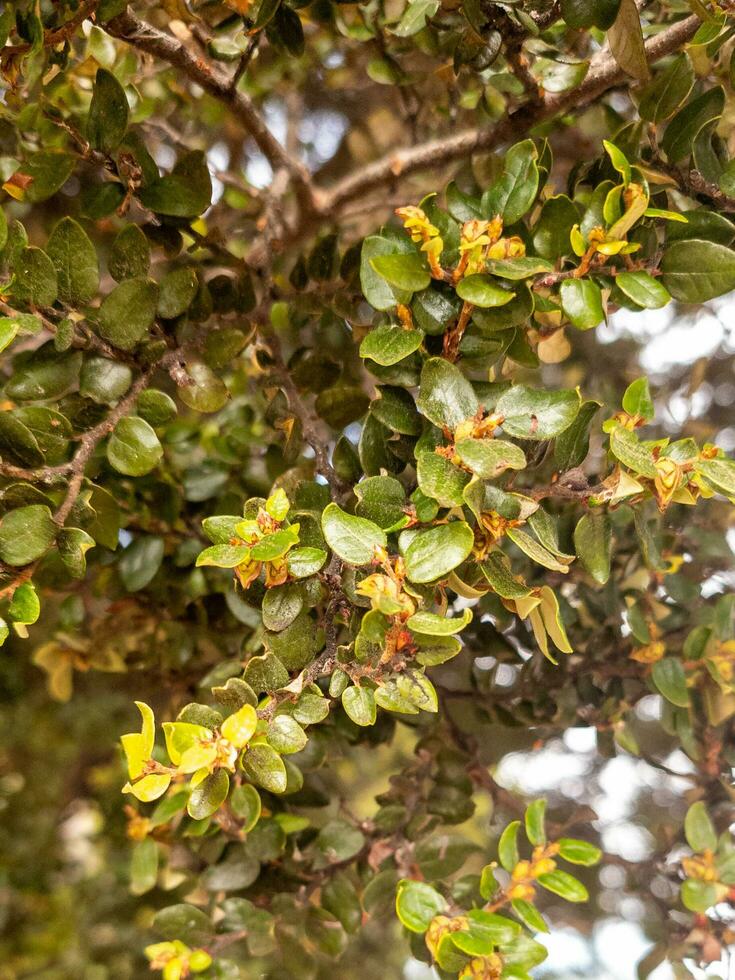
(129, 28)
(75, 467)
(604, 74)
(326, 661)
(309, 423)
(83, 341)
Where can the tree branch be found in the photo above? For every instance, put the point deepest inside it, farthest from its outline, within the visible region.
(129, 28)
(604, 74)
(75, 468)
(308, 422)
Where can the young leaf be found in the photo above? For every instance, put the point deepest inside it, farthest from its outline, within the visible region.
(535, 822)
(700, 833)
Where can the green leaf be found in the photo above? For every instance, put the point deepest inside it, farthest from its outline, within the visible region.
(643, 289)
(535, 551)
(224, 555)
(285, 735)
(359, 704)
(551, 233)
(396, 409)
(720, 473)
(264, 766)
(107, 121)
(130, 255)
(133, 448)
(434, 553)
(485, 932)
(185, 192)
(46, 374)
(246, 804)
(354, 539)
(581, 301)
(26, 533)
(483, 291)
(415, 686)
(417, 903)
(140, 561)
(49, 170)
(529, 915)
(496, 569)
(530, 413)
(375, 288)
(661, 98)
(564, 885)
(209, 795)
(389, 344)
(698, 896)
(406, 271)
(508, 846)
(579, 851)
(488, 458)
(17, 442)
(184, 922)
(593, 544)
(670, 679)
(8, 331)
(177, 290)
(522, 267)
(637, 399)
(281, 606)
(512, 195)
(590, 13)
(303, 562)
(535, 822)
(698, 115)
(446, 397)
(430, 624)
(414, 17)
(381, 499)
(128, 311)
(73, 544)
(338, 841)
(700, 833)
(144, 866)
(702, 224)
(25, 606)
(103, 380)
(439, 478)
(75, 260)
(694, 271)
(626, 447)
(207, 392)
(35, 277)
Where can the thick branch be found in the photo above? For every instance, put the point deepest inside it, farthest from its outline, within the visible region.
(129, 28)
(604, 74)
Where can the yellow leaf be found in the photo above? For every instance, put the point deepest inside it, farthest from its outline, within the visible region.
(149, 787)
(199, 756)
(240, 727)
(551, 617)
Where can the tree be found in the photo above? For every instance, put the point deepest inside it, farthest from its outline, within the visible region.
(308, 430)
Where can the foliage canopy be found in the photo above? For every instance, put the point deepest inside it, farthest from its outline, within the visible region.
(337, 494)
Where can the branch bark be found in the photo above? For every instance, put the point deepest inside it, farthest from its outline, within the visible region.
(603, 75)
(143, 36)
